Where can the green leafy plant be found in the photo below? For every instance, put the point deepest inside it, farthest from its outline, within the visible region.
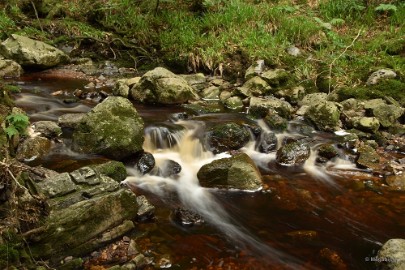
(17, 123)
(386, 8)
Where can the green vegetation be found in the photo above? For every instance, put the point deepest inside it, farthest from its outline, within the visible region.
(17, 124)
(342, 41)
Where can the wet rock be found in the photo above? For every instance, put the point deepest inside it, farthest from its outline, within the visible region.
(236, 172)
(255, 86)
(327, 152)
(293, 153)
(234, 103)
(225, 137)
(367, 124)
(302, 236)
(397, 182)
(61, 235)
(48, 129)
(325, 115)
(146, 210)
(145, 163)
(211, 92)
(368, 158)
(259, 107)
(275, 122)
(388, 115)
(113, 128)
(332, 260)
(275, 77)
(164, 262)
(33, 148)
(267, 142)
(187, 218)
(391, 256)
(32, 53)
(70, 120)
(10, 68)
(163, 87)
(198, 81)
(167, 168)
(255, 69)
(379, 75)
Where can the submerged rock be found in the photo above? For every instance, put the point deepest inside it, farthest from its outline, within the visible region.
(113, 128)
(187, 218)
(293, 153)
(162, 87)
(368, 157)
(225, 137)
(32, 53)
(236, 172)
(146, 210)
(392, 255)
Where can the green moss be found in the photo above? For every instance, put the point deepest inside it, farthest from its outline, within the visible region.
(8, 256)
(114, 169)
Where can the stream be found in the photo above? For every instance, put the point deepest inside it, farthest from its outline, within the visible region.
(333, 216)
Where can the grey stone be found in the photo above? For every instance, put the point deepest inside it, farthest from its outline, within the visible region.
(146, 210)
(71, 120)
(255, 69)
(255, 86)
(325, 115)
(388, 114)
(211, 92)
(275, 77)
(236, 172)
(57, 185)
(48, 129)
(198, 81)
(368, 124)
(312, 99)
(85, 175)
(10, 68)
(33, 148)
(379, 75)
(162, 87)
(392, 255)
(259, 107)
(113, 128)
(292, 95)
(32, 53)
(294, 51)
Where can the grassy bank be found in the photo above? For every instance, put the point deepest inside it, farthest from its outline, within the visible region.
(343, 40)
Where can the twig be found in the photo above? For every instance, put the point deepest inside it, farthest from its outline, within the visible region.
(7, 167)
(36, 14)
(340, 55)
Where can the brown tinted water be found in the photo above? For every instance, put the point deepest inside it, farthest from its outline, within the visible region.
(298, 221)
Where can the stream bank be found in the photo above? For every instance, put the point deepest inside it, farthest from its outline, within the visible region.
(276, 123)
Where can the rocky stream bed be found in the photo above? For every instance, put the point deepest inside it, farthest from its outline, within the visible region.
(121, 170)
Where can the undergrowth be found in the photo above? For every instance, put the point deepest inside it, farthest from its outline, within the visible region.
(342, 41)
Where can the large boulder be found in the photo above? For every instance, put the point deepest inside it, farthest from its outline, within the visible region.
(161, 86)
(32, 53)
(324, 115)
(113, 128)
(9, 68)
(236, 172)
(392, 255)
(225, 137)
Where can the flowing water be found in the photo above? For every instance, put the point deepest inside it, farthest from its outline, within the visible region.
(299, 220)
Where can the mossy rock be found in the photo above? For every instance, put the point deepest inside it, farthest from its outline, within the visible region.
(275, 122)
(113, 128)
(225, 137)
(325, 115)
(236, 172)
(113, 169)
(368, 158)
(293, 154)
